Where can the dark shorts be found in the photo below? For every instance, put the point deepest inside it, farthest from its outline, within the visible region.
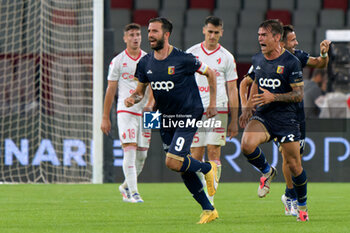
(283, 129)
(301, 141)
(178, 140)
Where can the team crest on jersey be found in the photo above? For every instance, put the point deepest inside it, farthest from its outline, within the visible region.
(125, 64)
(171, 70)
(218, 61)
(280, 69)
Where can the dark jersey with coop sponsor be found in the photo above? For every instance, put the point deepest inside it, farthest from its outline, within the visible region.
(303, 58)
(278, 76)
(176, 93)
(172, 80)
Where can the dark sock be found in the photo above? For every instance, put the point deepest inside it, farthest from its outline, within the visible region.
(291, 193)
(194, 165)
(195, 186)
(300, 186)
(258, 160)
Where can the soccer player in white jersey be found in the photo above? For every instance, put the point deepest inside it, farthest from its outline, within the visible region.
(135, 140)
(223, 63)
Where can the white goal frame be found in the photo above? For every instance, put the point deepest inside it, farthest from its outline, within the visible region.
(97, 172)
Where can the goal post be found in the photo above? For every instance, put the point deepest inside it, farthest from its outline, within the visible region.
(47, 100)
(98, 48)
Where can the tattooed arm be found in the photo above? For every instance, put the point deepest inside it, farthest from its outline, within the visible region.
(294, 96)
(137, 96)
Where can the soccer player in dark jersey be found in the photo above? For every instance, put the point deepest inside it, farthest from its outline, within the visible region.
(170, 73)
(278, 76)
(289, 42)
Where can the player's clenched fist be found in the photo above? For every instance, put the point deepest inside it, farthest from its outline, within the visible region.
(211, 112)
(324, 46)
(129, 102)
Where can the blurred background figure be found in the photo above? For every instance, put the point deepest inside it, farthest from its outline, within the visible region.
(314, 88)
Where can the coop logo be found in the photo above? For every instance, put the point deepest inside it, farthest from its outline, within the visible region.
(151, 120)
(268, 82)
(163, 85)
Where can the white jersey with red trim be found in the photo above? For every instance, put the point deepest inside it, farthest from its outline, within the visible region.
(223, 63)
(122, 69)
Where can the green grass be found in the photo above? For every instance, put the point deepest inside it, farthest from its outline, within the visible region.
(167, 208)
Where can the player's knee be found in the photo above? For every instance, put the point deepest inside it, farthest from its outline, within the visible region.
(197, 152)
(142, 153)
(170, 163)
(214, 152)
(294, 166)
(247, 147)
(295, 169)
(173, 163)
(129, 145)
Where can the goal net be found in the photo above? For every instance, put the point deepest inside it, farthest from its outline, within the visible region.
(46, 49)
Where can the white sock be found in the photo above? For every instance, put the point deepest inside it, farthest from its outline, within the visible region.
(124, 184)
(219, 171)
(141, 155)
(129, 168)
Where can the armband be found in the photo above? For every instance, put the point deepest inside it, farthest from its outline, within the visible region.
(203, 68)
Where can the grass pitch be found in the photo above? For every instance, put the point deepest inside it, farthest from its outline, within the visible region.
(168, 207)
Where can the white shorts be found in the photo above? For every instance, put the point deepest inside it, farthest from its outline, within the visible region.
(130, 128)
(212, 136)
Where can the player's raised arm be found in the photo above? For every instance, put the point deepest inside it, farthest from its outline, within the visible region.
(322, 60)
(110, 92)
(137, 96)
(211, 111)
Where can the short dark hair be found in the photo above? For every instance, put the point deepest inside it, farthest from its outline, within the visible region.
(286, 30)
(274, 25)
(167, 26)
(131, 26)
(216, 21)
